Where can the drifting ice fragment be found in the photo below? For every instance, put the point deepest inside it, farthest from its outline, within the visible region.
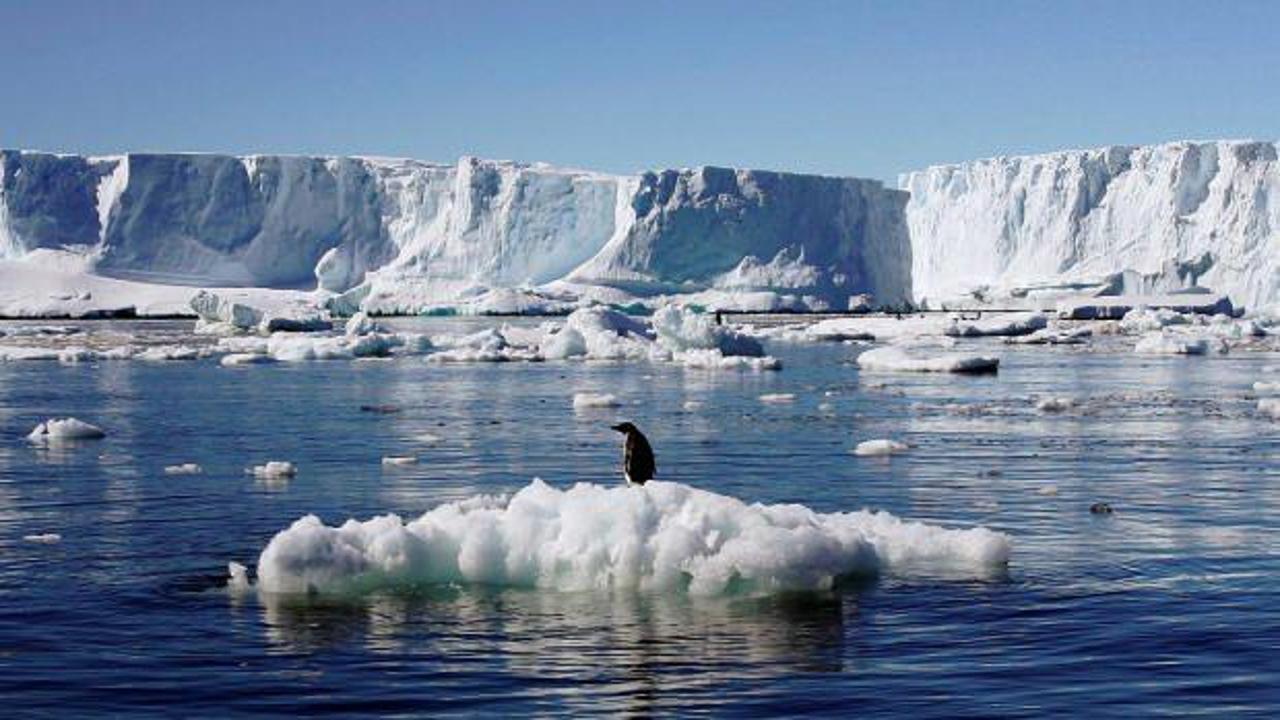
(183, 469)
(892, 359)
(585, 400)
(392, 460)
(274, 469)
(43, 538)
(65, 429)
(868, 448)
(777, 398)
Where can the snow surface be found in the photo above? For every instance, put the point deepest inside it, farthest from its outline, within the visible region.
(661, 537)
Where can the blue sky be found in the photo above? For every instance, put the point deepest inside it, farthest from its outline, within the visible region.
(849, 88)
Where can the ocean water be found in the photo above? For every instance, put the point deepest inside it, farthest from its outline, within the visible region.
(1166, 606)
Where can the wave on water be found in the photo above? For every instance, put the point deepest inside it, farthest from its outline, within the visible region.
(664, 536)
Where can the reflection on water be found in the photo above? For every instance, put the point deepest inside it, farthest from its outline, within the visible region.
(1142, 608)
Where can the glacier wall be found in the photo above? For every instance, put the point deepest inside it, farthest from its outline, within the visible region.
(412, 235)
(1136, 219)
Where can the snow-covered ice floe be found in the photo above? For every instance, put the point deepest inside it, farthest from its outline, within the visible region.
(896, 359)
(662, 537)
(183, 469)
(275, 469)
(65, 430)
(881, 447)
(586, 401)
(1163, 343)
(1055, 404)
(1011, 325)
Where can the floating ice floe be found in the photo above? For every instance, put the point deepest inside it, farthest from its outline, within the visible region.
(222, 315)
(65, 429)
(38, 331)
(777, 398)
(1266, 387)
(238, 359)
(870, 448)
(1002, 325)
(586, 400)
(693, 405)
(274, 469)
(237, 577)
(1162, 343)
(1055, 404)
(397, 460)
(183, 469)
(43, 538)
(895, 359)
(1053, 336)
(428, 438)
(663, 537)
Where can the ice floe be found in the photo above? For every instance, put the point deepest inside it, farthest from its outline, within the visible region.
(1163, 343)
(183, 469)
(663, 537)
(586, 400)
(65, 429)
(871, 448)
(43, 538)
(897, 359)
(399, 460)
(1270, 407)
(274, 469)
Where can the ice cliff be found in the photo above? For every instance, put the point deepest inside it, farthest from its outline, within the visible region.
(402, 236)
(408, 236)
(1121, 219)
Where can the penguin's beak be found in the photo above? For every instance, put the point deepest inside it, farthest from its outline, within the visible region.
(619, 428)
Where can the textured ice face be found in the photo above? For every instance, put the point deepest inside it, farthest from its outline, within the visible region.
(662, 537)
(410, 236)
(1141, 219)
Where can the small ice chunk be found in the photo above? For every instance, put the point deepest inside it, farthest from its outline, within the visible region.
(400, 460)
(777, 398)
(1266, 387)
(237, 359)
(183, 469)
(428, 438)
(237, 577)
(274, 469)
(43, 538)
(65, 429)
(584, 400)
(869, 448)
(1047, 490)
(693, 405)
(1055, 404)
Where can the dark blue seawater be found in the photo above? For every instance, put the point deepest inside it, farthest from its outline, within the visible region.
(1168, 606)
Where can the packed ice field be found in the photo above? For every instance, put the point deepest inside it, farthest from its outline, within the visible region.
(666, 536)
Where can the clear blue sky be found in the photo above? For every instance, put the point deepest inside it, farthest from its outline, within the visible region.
(856, 88)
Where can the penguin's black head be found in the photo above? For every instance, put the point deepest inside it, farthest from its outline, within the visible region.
(625, 428)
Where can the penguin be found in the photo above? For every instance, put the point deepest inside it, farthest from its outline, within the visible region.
(638, 466)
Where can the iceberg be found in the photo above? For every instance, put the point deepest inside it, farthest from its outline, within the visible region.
(399, 236)
(1119, 220)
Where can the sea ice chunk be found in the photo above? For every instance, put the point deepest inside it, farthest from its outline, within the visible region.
(868, 448)
(894, 359)
(662, 537)
(65, 429)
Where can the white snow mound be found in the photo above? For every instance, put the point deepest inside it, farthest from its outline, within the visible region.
(663, 537)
